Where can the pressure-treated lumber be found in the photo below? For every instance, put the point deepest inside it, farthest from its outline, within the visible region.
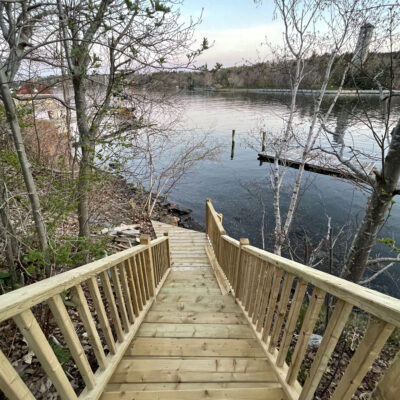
(101, 314)
(74, 345)
(269, 391)
(10, 382)
(33, 334)
(102, 377)
(387, 388)
(105, 282)
(194, 370)
(232, 318)
(371, 345)
(26, 297)
(329, 340)
(376, 303)
(78, 297)
(194, 347)
(195, 330)
(193, 333)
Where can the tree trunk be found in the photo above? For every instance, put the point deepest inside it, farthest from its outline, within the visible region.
(377, 207)
(11, 245)
(87, 156)
(23, 159)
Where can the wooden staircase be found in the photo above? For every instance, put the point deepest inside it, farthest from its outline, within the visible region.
(196, 316)
(194, 343)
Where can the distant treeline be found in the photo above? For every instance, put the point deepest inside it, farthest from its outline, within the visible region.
(276, 75)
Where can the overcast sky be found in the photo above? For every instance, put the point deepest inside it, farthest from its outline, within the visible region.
(238, 28)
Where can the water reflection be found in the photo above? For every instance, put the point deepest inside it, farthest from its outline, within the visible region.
(240, 188)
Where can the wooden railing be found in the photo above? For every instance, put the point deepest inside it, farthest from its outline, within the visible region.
(118, 290)
(275, 293)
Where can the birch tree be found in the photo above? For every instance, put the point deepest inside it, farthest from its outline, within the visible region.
(300, 41)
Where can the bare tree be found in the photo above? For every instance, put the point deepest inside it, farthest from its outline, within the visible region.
(384, 182)
(8, 235)
(117, 38)
(18, 23)
(301, 40)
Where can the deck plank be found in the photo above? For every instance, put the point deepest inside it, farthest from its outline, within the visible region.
(184, 347)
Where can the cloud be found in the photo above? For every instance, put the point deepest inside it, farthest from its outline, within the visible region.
(236, 46)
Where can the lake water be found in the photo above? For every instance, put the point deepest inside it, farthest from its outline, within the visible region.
(240, 186)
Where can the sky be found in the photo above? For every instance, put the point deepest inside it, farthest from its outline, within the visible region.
(238, 29)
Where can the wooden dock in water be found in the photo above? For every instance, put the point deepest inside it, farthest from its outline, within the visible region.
(318, 162)
(192, 316)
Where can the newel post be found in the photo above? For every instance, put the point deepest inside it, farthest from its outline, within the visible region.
(236, 286)
(145, 240)
(168, 250)
(208, 200)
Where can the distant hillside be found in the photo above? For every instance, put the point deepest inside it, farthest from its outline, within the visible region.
(276, 75)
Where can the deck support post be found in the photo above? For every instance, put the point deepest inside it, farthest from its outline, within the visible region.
(236, 284)
(145, 240)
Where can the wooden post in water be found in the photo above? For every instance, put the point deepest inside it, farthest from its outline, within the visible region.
(264, 134)
(233, 144)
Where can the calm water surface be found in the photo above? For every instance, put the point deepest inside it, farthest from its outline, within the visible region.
(240, 187)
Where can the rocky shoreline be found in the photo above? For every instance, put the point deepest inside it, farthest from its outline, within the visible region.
(117, 211)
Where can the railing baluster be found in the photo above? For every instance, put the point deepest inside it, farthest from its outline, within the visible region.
(127, 294)
(387, 388)
(11, 383)
(290, 327)
(67, 328)
(281, 311)
(374, 339)
(78, 297)
(101, 313)
(148, 264)
(251, 271)
(254, 284)
(120, 298)
(272, 303)
(238, 268)
(36, 340)
(331, 336)
(132, 287)
(244, 269)
(137, 282)
(142, 267)
(105, 282)
(262, 283)
(142, 281)
(266, 295)
(317, 299)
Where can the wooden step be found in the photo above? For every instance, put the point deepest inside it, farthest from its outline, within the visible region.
(229, 331)
(194, 270)
(123, 392)
(192, 347)
(196, 318)
(193, 370)
(203, 291)
(215, 307)
(189, 298)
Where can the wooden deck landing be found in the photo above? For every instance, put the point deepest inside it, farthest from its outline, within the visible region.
(194, 343)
